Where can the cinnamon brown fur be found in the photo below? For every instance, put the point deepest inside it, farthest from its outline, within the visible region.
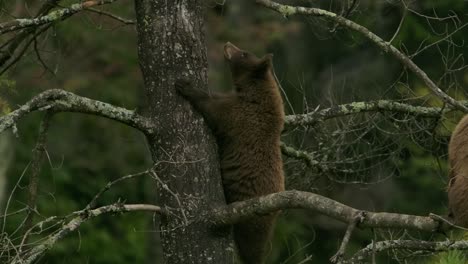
(247, 124)
(458, 176)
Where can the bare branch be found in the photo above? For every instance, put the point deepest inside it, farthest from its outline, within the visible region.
(36, 164)
(448, 36)
(111, 15)
(287, 10)
(51, 17)
(39, 58)
(175, 195)
(304, 156)
(407, 244)
(299, 154)
(92, 204)
(63, 101)
(239, 211)
(362, 107)
(405, 11)
(72, 225)
(14, 213)
(23, 50)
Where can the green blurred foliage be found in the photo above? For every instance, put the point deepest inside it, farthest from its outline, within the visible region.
(451, 257)
(95, 56)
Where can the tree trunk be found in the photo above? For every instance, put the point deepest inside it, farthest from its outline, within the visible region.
(171, 45)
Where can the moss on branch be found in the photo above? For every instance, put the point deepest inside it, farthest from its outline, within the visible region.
(363, 107)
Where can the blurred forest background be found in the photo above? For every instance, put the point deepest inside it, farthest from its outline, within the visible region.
(376, 161)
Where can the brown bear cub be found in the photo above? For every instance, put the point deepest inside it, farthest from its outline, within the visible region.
(247, 124)
(458, 176)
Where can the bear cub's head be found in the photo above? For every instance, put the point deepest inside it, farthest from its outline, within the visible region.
(244, 65)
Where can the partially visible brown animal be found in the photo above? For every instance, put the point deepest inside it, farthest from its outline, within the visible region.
(247, 124)
(458, 176)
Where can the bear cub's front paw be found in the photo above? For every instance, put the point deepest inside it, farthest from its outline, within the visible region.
(183, 85)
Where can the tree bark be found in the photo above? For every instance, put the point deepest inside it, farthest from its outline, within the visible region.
(171, 45)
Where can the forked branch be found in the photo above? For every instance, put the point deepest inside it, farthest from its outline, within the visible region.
(338, 257)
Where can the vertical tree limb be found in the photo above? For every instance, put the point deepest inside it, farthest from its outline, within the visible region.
(36, 164)
(357, 218)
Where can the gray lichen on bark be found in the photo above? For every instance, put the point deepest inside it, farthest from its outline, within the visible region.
(63, 101)
(363, 107)
(310, 201)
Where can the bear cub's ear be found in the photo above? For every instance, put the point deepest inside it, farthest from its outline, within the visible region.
(268, 56)
(266, 63)
(230, 50)
(268, 59)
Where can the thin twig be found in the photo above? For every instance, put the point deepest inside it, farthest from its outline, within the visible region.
(11, 196)
(92, 204)
(24, 49)
(25, 209)
(306, 259)
(39, 57)
(175, 195)
(446, 222)
(358, 218)
(438, 41)
(113, 16)
(405, 11)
